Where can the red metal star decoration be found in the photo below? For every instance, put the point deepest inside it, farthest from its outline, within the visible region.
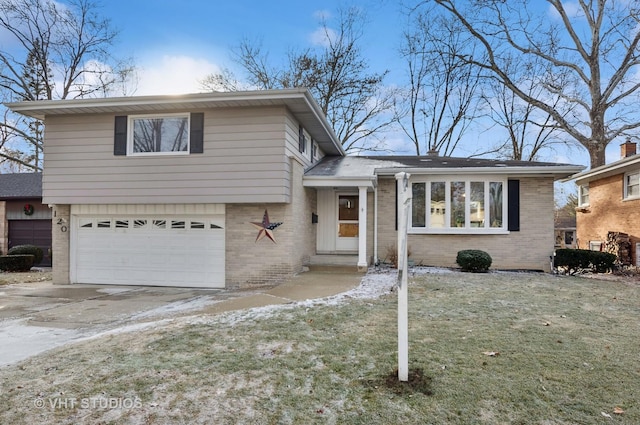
(265, 228)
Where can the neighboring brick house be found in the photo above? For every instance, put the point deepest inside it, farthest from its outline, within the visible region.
(233, 189)
(23, 217)
(609, 201)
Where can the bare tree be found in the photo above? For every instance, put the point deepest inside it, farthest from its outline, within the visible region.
(353, 98)
(439, 102)
(56, 51)
(529, 130)
(590, 54)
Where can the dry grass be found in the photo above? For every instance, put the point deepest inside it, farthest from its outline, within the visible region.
(564, 352)
(7, 278)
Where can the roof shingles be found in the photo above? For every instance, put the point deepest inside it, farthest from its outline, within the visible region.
(20, 185)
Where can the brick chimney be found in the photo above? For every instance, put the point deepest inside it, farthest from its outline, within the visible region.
(627, 148)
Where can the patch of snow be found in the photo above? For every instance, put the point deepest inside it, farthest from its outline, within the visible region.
(177, 307)
(21, 340)
(128, 328)
(431, 270)
(373, 285)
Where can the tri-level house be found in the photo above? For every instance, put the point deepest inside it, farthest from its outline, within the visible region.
(609, 203)
(233, 189)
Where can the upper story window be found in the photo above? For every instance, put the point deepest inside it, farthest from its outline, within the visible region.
(632, 185)
(159, 134)
(583, 195)
(441, 206)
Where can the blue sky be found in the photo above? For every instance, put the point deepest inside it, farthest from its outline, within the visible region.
(176, 43)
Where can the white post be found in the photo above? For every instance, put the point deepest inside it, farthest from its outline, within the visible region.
(404, 201)
(362, 229)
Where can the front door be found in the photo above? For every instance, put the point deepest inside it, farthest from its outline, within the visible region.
(347, 229)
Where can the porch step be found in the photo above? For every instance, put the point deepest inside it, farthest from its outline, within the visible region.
(329, 262)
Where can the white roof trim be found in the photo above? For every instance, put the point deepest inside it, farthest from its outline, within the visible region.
(605, 170)
(549, 170)
(314, 181)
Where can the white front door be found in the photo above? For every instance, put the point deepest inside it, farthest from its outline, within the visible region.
(347, 223)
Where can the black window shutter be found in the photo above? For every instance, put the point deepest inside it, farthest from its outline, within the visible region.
(513, 213)
(196, 138)
(120, 136)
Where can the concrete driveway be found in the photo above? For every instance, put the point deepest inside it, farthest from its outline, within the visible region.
(35, 317)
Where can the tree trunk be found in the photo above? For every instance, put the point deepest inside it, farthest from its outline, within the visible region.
(596, 154)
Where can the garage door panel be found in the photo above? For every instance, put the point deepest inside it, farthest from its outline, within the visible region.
(32, 232)
(154, 250)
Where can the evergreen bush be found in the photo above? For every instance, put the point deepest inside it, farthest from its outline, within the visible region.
(473, 260)
(28, 250)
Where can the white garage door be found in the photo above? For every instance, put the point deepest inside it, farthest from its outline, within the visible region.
(156, 250)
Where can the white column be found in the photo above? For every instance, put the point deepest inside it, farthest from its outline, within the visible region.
(404, 199)
(375, 224)
(362, 229)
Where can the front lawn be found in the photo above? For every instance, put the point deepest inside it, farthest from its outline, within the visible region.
(496, 348)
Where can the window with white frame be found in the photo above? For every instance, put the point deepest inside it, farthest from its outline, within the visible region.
(443, 205)
(583, 195)
(158, 134)
(632, 185)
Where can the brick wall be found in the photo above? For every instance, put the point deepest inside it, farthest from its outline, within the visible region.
(250, 262)
(60, 231)
(607, 212)
(528, 249)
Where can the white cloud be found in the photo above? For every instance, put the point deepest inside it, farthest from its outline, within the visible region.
(322, 36)
(173, 75)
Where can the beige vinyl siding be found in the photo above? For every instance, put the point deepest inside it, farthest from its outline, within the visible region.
(292, 144)
(244, 160)
(15, 210)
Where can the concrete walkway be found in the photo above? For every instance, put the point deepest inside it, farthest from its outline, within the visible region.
(35, 317)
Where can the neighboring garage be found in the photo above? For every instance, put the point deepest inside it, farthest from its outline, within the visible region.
(24, 220)
(32, 232)
(160, 249)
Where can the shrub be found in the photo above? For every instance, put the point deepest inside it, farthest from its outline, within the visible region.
(575, 260)
(16, 263)
(473, 260)
(392, 255)
(27, 250)
(602, 262)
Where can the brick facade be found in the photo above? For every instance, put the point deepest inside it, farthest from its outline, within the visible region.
(608, 212)
(250, 262)
(527, 249)
(60, 231)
